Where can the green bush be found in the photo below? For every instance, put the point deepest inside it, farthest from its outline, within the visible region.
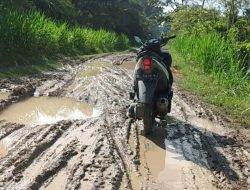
(28, 35)
(218, 57)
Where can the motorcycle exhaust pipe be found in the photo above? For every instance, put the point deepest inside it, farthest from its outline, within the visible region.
(162, 106)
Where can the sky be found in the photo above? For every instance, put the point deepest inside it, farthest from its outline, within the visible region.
(208, 4)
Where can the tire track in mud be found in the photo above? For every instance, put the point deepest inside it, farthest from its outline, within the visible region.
(192, 150)
(212, 139)
(7, 129)
(28, 149)
(41, 178)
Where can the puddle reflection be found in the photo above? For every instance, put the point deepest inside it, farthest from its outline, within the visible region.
(47, 110)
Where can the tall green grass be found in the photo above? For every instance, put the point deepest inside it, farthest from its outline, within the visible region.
(218, 57)
(214, 69)
(27, 36)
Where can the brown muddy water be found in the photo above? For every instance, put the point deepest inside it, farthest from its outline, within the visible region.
(164, 155)
(97, 64)
(46, 110)
(205, 124)
(4, 95)
(3, 150)
(162, 159)
(129, 65)
(93, 68)
(90, 72)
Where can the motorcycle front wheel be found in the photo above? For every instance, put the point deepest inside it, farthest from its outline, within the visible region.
(148, 119)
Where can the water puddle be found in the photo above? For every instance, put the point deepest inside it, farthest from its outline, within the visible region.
(152, 159)
(93, 68)
(90, 72)
(129, 65)
(47, 110)
(175, 165)
(97, 64)
(3, 150)
(164, 161)
(154, 150)
(205, 124)
(4, 96)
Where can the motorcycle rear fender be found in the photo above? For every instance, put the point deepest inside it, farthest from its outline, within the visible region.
(146, 91)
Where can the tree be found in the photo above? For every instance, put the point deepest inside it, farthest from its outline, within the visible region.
(195, 20)
(232, 9)
(132, 17)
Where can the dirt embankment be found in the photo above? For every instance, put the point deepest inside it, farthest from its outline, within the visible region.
(194, 149)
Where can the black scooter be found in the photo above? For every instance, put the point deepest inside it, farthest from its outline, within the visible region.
(152, 84)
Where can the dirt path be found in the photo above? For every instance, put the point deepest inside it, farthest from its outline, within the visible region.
(195, 149)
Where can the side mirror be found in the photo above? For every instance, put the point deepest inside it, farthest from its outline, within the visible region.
(138, 40)
(166, 29)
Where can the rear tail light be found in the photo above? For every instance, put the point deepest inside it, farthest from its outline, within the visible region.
(147, 65)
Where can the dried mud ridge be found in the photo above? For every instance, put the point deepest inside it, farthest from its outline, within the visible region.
(107, 152)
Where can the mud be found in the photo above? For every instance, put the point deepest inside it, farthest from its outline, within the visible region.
(192, 149)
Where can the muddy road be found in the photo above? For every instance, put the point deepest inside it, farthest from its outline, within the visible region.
(67, 129)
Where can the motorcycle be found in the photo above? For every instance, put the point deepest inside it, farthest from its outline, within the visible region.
(152, 93)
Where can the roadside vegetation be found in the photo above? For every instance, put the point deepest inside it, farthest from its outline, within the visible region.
(214, 58)
(36, 31)
(28, 35)
(131, 17)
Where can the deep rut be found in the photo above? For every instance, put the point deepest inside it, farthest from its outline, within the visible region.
(194, 149)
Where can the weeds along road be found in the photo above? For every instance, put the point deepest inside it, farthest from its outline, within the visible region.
(194, 150)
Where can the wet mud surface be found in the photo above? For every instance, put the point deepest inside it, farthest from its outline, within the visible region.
(192, 149)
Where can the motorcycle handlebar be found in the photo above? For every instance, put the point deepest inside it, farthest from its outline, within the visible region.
(166, 39)
(171, 37)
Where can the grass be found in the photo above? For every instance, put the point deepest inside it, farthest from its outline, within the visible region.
(28, 70)
(226, 98)
(217, 57)
(28, 36)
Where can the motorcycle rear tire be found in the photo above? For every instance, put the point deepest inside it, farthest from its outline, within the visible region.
(148, 119)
